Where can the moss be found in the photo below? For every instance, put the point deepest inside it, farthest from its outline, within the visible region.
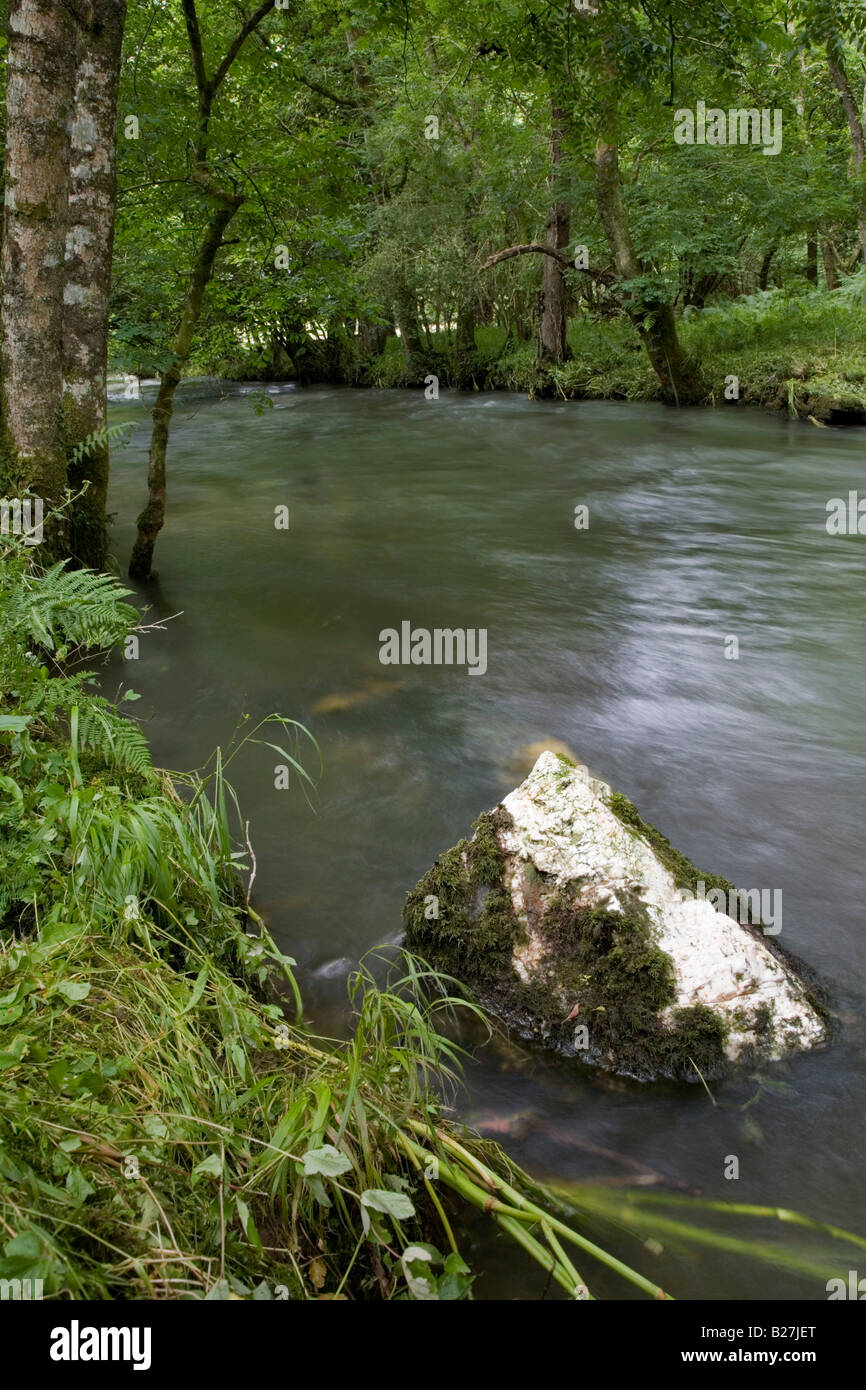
(591, 964)
(603, 960)
(609, 963)
(696, 1040)
(687, 876)
(684, 872)
(762, 1022)
(460, 916)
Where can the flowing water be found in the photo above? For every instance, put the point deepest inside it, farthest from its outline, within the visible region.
(460, 513)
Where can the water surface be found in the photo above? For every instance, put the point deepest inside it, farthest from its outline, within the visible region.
(460, 513)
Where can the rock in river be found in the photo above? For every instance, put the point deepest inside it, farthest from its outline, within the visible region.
(578, 924)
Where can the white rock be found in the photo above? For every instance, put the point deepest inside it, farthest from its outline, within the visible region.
(564, 826)
(560, 966)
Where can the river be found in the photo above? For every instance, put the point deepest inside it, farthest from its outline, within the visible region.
(612, 639)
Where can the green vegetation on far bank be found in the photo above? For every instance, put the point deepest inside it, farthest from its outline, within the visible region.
(797, 350)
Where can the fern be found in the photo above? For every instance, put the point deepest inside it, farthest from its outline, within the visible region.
(118, 742)
(70, 606)
(100, 439)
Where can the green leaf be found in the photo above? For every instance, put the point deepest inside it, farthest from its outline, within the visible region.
(57, 1073)
(14, 723)
(197, 989)
(211, 1165)
(219, 1293)
(78, 1185)
(249, 1226)
(21, 1254)
(394, 1204)
(72, 990)
(327, 1160)
(317, 1187)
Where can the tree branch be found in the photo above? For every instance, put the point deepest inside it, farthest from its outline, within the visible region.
(523, 250)
(603, 277)
(238, 42)
(195, 47)
(351, 102)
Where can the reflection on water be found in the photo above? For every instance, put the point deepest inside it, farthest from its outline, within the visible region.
(611, 640)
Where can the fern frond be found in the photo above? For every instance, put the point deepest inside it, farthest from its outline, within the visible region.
(99, 439)
(74, 606)
(117, 741)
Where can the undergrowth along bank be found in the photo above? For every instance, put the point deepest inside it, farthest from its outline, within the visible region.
(795, 350)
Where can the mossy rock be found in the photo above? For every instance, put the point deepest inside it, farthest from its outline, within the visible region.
(575, 921)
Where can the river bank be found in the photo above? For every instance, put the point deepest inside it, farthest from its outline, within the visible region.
(797, 352)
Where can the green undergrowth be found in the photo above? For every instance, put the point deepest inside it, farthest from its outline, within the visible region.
(797, 350)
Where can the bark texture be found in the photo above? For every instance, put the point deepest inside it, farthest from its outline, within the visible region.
(89, 244)
(838, 72)
(764, 276)
(152, 518)
(829, 258)
(39, 92)
(553, 306)
(812, 259)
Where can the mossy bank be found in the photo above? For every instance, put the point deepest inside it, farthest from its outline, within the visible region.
(797, 351)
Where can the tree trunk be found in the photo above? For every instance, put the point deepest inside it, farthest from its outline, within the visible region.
(836, 66)
(812, 258)
(764, 276)
(829, 258)
(653, 317)
(89, 242)
(406, 318)
(553, 305)
(464, 344)
(39, 88)
(152, 519)
(372, 338)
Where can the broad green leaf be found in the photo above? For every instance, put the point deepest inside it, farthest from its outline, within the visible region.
(326, 1160)
(394, 1204)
